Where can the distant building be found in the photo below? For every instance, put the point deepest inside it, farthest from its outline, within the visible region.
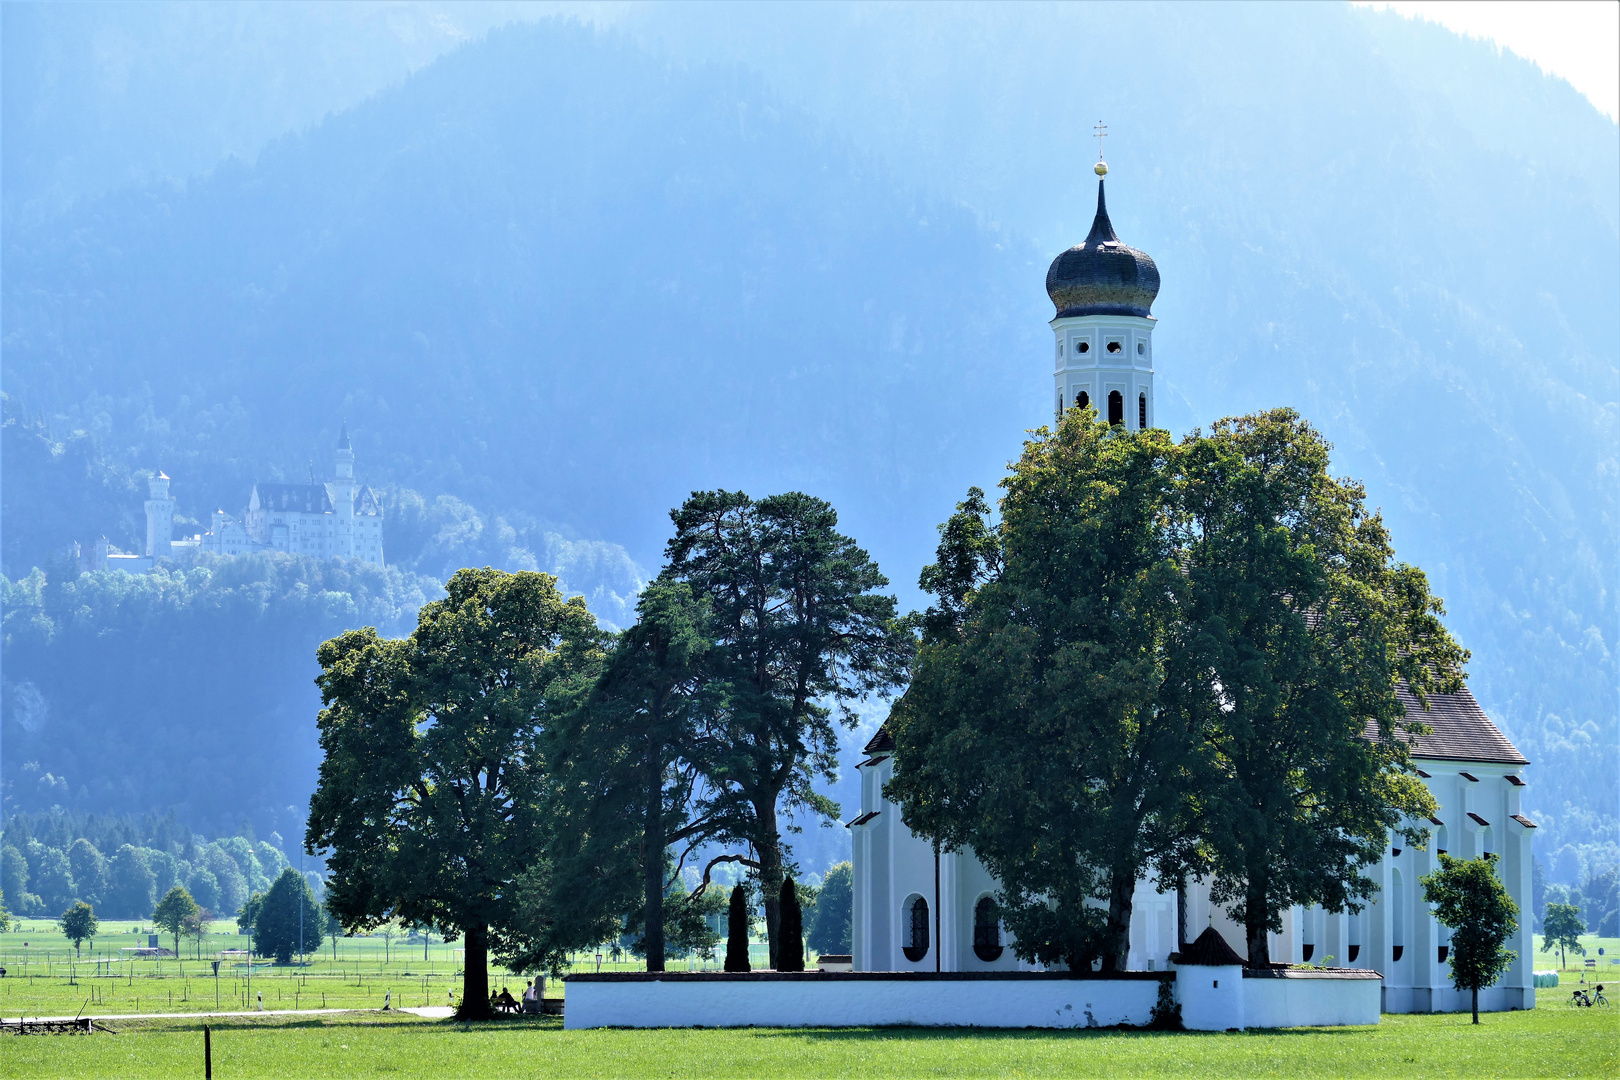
(340, 519)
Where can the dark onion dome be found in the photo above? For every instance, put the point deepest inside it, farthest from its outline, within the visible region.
(1102, 276)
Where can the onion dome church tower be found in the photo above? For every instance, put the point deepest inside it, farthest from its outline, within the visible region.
(1103, 291)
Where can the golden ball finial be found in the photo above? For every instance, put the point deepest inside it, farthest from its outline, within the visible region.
(1101, 168)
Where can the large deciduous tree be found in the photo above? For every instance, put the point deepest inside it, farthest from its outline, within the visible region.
(1036, 730)
(79, 922)
(1302, 627)
(432, 794)
(1563, 927)
(798, 631)
(172, 912)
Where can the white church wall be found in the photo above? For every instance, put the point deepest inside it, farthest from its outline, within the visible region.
(855, 999)
(1211, 999)
(1308, 999)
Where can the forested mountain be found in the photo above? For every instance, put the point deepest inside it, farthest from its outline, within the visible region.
(562, 276)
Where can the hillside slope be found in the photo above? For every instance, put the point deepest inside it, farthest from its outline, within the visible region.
(567, 276)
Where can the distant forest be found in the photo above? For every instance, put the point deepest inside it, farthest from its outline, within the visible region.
(122, 864)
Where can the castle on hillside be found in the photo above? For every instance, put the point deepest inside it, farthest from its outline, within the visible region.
(339, 519)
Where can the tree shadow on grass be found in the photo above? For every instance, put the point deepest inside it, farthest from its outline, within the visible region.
(916, 1032)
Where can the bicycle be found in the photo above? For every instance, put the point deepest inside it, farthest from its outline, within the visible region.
(1597, 996)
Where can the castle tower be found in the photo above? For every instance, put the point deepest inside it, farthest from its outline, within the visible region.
(1103, 291)
(159, 517)
(343, 493)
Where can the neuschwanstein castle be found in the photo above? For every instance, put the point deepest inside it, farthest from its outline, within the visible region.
(339, 519)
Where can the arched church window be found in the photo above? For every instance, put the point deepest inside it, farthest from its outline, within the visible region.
(1141, 411)
(1141, 348)
(1083, 400)
(1397, 898)
(916, 942)
(986, 930)
(1084, 347)
(1116, 407)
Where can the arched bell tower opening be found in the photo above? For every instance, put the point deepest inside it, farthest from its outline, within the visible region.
(1103, 291)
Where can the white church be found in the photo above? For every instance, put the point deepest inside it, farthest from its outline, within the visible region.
(338, 519)
(915, 911)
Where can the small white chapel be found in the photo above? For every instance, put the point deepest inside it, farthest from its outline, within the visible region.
(918, 911)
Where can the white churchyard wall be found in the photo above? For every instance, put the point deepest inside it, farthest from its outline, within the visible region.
(964, 999)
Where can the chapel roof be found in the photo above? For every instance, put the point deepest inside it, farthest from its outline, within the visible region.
(1459, 730)
(880, 743)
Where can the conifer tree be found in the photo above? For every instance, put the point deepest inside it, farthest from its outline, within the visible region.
(790, 954)
(737, 931)
(797, 630)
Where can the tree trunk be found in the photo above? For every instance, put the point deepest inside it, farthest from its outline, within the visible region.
(652, 862)
(1117, 935)
(1476, 1004)
(1254, 926)
(475, 974)
(770, 877)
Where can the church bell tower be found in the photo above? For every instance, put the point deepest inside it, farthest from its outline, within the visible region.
(1103, 291)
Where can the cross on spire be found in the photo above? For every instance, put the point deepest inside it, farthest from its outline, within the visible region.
(1102, 133)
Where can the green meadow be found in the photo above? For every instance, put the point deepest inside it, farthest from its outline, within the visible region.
(1552, 1041)
(45, 979)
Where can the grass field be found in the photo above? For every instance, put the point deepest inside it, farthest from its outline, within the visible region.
(1552, 1041)
(44, 978)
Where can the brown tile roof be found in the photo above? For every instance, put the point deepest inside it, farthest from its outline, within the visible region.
(1210, 950)
(1460, 730)
(863, 819)
(1477, 819)
(880, 743)
(1522, 820)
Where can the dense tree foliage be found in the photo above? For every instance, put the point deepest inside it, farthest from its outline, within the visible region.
(1039, 729)
(797, 632)
(1563, 927)
(433, 791)
(1167, 658)
(1303, 624)
(161, 662)
(172, 912)
(1470, 899)
(287, 920)
(79, 923)
(830, 926)
(62, 853)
